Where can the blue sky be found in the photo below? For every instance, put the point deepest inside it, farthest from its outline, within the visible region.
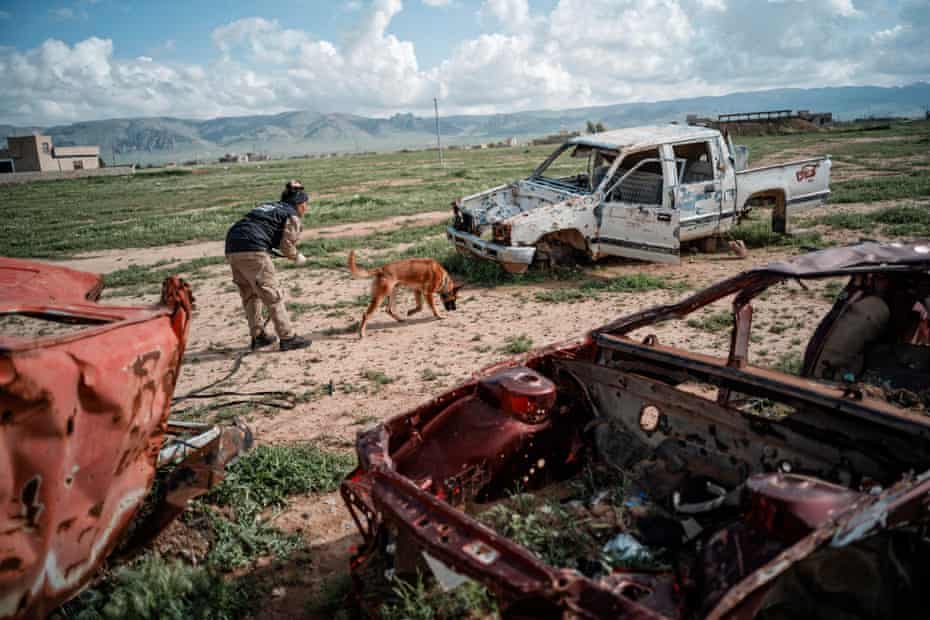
(73, 60)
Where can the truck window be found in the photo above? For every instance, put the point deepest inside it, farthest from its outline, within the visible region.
(638, 179)
(694, 162)
(579, 167)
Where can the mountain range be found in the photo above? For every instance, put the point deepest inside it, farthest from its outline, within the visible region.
(160, 139)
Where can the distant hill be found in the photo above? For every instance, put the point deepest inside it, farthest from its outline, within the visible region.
(290, 133)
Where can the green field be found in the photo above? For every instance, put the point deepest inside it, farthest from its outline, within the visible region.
(170, 206)
(62, 218)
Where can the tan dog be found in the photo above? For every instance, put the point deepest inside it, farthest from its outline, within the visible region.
(423, 276)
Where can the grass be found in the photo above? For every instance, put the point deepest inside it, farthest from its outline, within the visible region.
(259, 480)
(418, 600)
(897, 221)
(148, 278)
(267, 475)
(517, 344)
(377, 377)
(789, 362)
(591, 289)
(152, 587)
(166, 207)
(756, 232)
(915, 184)
(54, 220)
(334, 599)
(833, 289)
(713, 322)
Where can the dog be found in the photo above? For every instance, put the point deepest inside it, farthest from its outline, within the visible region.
(423, 276)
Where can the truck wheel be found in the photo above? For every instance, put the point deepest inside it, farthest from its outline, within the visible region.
(552, 253)
(709, 245)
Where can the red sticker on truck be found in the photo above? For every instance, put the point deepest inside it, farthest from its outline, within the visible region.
(807, 172)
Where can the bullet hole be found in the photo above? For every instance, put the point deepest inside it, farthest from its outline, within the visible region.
(10, 564)
(29, 497)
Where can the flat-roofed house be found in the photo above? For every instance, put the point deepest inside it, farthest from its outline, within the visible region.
(36, 153)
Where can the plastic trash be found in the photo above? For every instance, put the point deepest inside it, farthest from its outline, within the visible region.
(624, 547)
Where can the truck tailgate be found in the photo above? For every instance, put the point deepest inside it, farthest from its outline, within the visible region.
(801, 183)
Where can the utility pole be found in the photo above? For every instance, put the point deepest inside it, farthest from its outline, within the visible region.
(438, 141)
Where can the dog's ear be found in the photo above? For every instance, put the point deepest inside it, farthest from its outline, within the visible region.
(457, 287)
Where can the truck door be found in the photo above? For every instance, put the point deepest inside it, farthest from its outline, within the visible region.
(699, 190)
(637, 219)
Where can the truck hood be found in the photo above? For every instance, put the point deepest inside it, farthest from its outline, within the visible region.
(500, 203)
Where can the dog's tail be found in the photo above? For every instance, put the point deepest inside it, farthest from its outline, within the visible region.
(358, 272)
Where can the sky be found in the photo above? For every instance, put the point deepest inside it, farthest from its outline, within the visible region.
(78, 60)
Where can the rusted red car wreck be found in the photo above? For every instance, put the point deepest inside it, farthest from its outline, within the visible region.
(769, 495)
(83, 427)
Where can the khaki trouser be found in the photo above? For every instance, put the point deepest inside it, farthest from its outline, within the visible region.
(253, 273)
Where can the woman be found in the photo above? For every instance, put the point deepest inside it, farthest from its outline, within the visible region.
(250, 244)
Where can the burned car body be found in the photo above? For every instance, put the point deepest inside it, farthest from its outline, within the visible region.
(83, 427)
(812, 505)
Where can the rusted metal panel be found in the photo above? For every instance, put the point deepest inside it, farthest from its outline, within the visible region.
(83, 416)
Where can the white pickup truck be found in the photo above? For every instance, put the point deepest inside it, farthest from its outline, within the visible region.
(639, 193)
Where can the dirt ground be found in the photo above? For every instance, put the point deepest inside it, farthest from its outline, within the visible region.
(400, 365)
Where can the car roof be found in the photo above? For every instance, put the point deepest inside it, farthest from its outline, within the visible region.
(645, 136)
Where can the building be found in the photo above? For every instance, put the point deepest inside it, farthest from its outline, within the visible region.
(767, 117)
(234, 158)
(36, 153)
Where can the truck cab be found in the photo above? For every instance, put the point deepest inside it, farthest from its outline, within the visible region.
(637, 193)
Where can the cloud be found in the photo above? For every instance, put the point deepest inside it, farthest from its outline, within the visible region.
(437, 3)
(62, 13)
(512, 15)
(575, 53)
(845, 8)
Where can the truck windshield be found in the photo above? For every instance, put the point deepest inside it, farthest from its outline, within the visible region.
(576, 167)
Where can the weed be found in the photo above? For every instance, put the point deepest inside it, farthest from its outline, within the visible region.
(429, 374)
(833, 289)
(518, 344)
(148, 278)
(713, 323)
(897, 221)
(350, 388)
(266, 476)
(758, 233)
(335, 599)
(377, 377)
(152, 587)
(590, 289)
(415, 600)
(364, 420)
(336, 331)
(239, 540)
(789, 363)
(891, 187)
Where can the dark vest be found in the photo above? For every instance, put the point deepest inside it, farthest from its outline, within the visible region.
(260, 230)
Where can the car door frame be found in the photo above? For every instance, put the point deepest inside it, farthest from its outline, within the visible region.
(701, 203)
(638, 230)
